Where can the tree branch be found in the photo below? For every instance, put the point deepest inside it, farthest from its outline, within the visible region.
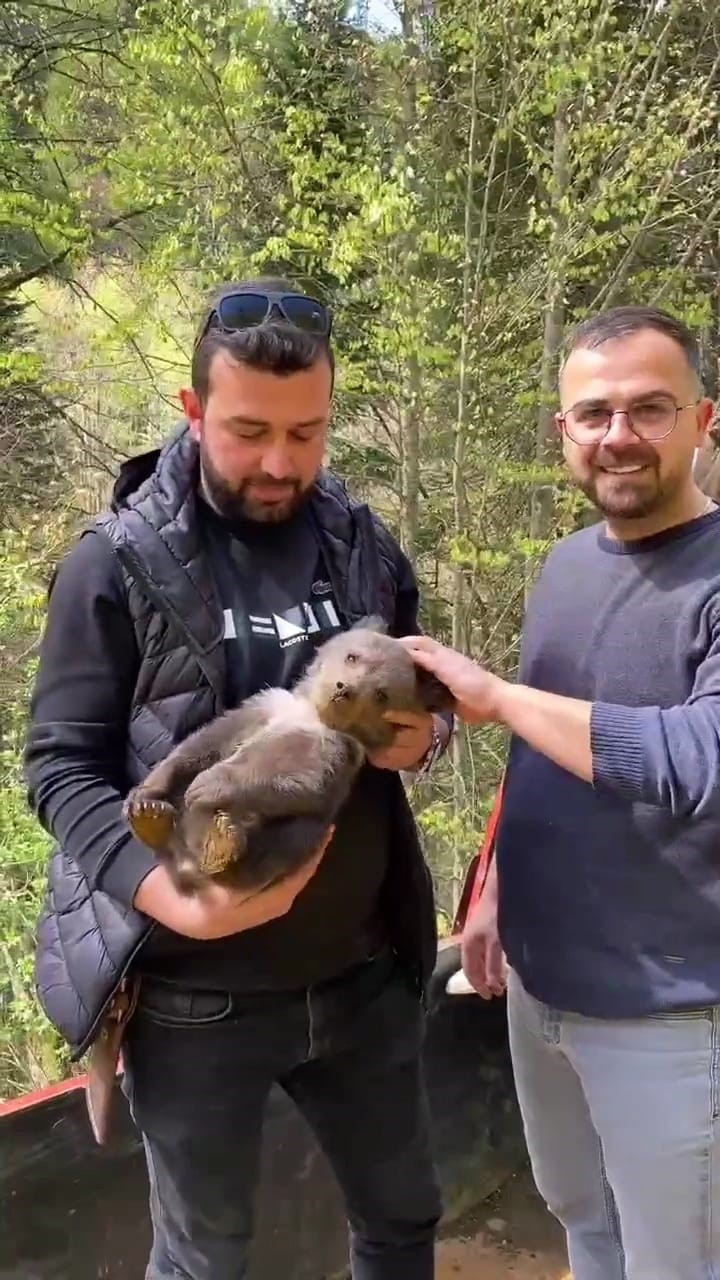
(15, 280)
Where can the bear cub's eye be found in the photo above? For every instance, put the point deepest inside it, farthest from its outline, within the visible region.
(351, 657)
(381, 696)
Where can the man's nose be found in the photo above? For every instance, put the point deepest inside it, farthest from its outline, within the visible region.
(277, 462)
(620, 431)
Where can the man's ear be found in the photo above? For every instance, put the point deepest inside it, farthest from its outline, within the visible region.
(705, 413)
(433, 694)
(192, 410)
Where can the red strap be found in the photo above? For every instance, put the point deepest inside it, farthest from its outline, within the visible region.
(486, 851)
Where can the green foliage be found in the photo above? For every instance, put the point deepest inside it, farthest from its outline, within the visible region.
(28, 422)
(30, 1053)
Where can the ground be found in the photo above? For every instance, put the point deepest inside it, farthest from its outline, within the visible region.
(512, 1238)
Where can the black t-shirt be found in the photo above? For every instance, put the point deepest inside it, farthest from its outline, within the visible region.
(276, 597)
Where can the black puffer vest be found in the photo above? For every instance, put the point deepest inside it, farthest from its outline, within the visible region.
(86, 942)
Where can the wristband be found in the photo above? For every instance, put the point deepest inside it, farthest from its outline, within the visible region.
(432, 753)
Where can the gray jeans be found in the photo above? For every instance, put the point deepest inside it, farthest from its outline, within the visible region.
(621, 1123)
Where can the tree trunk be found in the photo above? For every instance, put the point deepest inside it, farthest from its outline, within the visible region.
(410, 462)
(461, 623)
(546, 441)
(410, 412)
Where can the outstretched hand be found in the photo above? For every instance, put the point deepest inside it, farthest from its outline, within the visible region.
(475, 690)
(557, 726)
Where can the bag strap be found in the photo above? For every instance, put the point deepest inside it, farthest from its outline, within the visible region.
(479, 868)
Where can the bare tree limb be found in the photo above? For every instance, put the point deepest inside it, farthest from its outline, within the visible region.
(15, 280)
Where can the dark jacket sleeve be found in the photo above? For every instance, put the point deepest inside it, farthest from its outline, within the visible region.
(77, 739)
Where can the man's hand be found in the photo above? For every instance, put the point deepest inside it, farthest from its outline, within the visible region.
(557, 726)
(476, 691)
(218, 912)
(412, 741)
(483, 959)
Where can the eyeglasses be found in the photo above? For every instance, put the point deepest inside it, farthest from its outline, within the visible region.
(650, 419)
(248, 308)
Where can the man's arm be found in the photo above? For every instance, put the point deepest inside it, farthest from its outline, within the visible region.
(77, 740)
(556, 726)
(668, 757)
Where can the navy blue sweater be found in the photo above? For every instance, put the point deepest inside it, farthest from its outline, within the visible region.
(610, 892)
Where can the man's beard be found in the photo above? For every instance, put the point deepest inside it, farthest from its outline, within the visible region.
(237, 503)
(631, 497)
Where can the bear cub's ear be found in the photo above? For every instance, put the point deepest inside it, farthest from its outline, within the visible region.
(434, 695)
(372, 623)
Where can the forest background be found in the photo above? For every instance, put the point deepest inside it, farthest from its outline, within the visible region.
(461, 179)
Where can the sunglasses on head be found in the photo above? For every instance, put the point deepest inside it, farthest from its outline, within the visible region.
(248, 308)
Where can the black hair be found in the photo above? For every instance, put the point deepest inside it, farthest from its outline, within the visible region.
(621, 322)
(275, 346)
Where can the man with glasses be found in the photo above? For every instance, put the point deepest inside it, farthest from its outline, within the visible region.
(607, 863)
(226, 558)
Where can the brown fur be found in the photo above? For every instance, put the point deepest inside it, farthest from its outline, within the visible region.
(246, 798)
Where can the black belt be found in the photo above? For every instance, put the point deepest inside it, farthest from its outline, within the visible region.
(161, 996)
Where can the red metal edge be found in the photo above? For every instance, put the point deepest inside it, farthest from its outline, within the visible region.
(477, 872)
(39, 1096)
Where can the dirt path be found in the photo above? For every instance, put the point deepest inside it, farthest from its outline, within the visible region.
(513, 1238)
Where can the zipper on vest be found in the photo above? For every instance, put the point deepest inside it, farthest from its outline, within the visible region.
(326, 553)
(369, 552)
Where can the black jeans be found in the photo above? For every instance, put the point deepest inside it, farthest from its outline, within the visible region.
(199, 1068)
